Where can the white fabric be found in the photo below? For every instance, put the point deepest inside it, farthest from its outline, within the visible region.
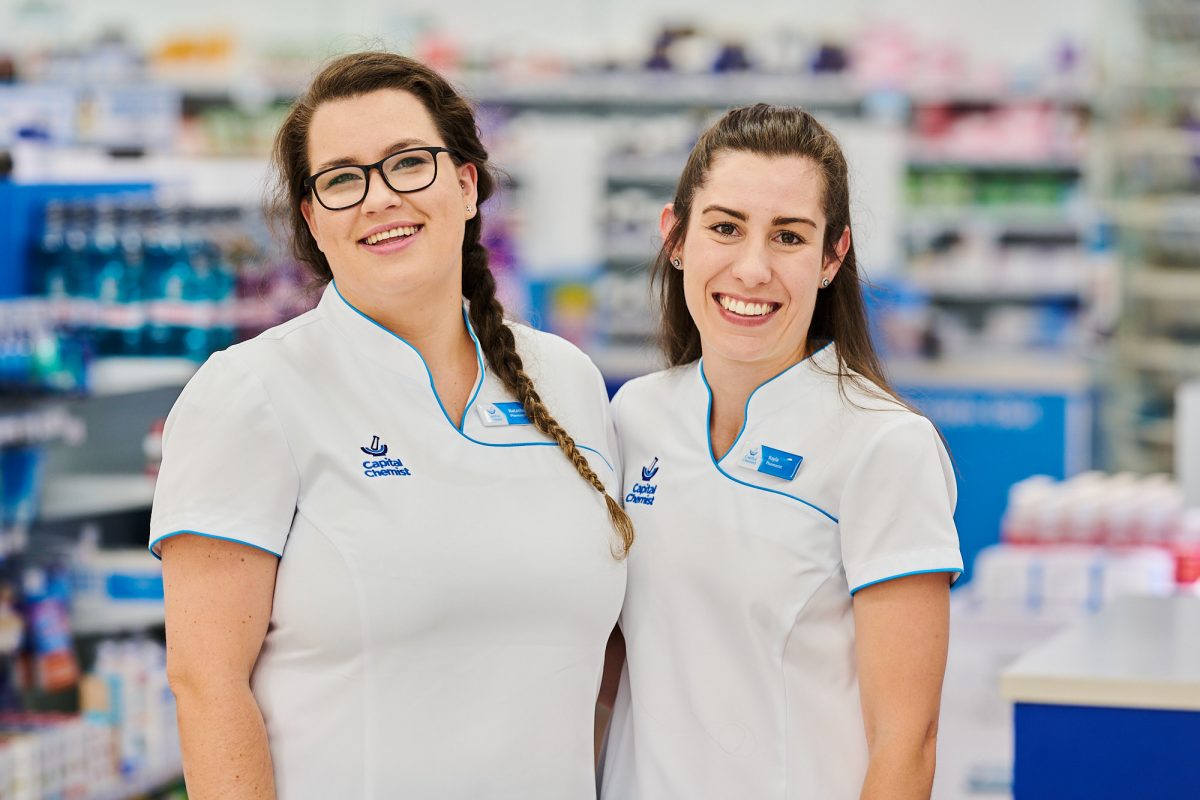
(436, 634)
(740, 679)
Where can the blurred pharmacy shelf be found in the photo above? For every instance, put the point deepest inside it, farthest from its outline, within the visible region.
(158, 780)
(81, 496)
(1154, 191)
(119, 375)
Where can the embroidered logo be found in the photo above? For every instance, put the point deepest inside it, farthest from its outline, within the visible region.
(376, 449)
(643, 493)
(380, 466)
(649, 472)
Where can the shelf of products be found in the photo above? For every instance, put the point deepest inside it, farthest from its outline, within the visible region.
(1155, 193)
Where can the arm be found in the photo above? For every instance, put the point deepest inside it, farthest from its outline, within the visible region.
(614, 662)
(902, 628)
(218, 604)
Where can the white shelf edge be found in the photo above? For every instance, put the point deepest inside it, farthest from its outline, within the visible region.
(92, 494)
(128, 374)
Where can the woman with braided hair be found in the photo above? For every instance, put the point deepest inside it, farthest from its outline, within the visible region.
(390, 554)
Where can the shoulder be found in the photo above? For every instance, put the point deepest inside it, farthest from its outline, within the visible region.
(656, 386)
(551, 357)
(289, 343)
(245, 371)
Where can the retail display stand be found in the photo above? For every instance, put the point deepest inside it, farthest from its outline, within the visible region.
(1111, 707)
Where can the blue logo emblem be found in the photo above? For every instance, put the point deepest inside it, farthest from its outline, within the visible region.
(380, 466)
(376, 449)
(644, 493)
(649, 472)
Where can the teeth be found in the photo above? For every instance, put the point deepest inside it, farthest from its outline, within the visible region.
(744, 309)
(405, 230)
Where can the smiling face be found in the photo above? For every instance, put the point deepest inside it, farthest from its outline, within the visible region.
(753, 259)
(391, 246)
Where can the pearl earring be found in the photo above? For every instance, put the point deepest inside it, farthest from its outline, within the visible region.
(676, 263)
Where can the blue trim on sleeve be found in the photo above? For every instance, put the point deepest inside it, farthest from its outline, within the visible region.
(745, 421)
(166, 536)
(954, 570)
(467, 409)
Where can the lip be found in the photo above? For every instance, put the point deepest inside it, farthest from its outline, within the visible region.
(400, 223)
(746, 322)
(391, 245)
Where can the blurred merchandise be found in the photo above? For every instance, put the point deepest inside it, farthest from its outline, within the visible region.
(41, 353)
(127, 692)
(113, 589)
(1105, 520)
(1153, 184)
(51, 654)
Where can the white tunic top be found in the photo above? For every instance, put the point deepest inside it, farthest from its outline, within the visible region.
(740, 680)
(444, 596)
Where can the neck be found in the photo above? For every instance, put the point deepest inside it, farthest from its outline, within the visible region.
(731, 384)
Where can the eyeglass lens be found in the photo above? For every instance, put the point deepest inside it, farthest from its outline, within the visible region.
(403, 172)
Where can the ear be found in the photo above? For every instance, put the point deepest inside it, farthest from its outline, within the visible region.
(666, 221)
(306, 209)
(834, 262)
(468, 179)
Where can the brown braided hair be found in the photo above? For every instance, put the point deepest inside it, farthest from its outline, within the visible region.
(361, 73)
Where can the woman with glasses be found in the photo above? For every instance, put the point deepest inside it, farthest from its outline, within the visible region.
(786, 615)
(390, 557)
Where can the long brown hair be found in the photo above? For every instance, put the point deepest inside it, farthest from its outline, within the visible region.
(361, 73)
(840, 314)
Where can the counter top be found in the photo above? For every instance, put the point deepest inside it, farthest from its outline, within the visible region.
(1139, 652)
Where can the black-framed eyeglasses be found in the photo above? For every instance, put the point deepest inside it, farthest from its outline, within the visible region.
(410, 170)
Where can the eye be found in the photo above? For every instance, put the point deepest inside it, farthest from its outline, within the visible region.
(788, 237)
(408, 162)
(339, 178)
(724, 228)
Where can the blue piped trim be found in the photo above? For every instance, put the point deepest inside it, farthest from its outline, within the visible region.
(954, 570)
(745, 421)
(746, 410)
(166, 536)
(478, 387)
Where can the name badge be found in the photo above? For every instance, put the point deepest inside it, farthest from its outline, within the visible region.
(769, 461)
(497, 415)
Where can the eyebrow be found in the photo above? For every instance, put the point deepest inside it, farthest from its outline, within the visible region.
(346, 161)
(777, 221)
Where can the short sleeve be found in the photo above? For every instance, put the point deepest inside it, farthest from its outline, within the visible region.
(897, 508)
(227, 471)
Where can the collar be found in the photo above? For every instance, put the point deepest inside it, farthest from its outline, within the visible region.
(383, 347)
(784, 389)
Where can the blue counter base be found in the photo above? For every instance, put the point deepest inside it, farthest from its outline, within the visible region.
(1083, 753)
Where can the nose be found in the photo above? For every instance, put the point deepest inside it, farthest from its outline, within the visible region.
(380, 196)
(752, 266)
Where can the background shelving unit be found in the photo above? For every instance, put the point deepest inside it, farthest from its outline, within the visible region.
(1155, 143)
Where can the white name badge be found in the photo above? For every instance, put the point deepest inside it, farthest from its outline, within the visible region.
(771, 461)
(498, 415)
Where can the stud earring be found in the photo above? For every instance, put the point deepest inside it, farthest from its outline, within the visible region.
(825, 283)
(676, 263)
(470, 210)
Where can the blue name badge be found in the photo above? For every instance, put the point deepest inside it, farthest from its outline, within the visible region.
(497, 415)
(769, 461)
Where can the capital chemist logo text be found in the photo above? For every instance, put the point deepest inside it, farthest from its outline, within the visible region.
(643, 493)
(381, 467)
